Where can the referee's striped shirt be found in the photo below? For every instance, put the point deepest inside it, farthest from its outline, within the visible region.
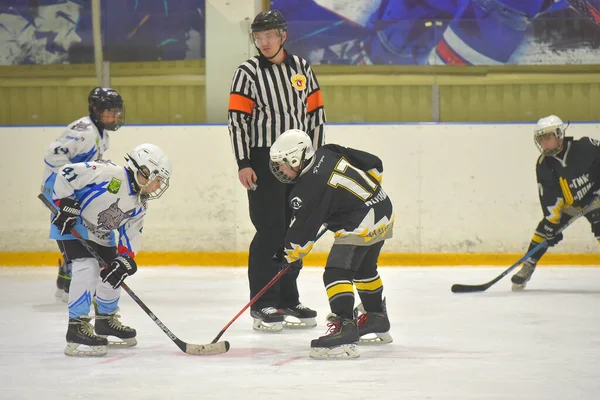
(267, 99)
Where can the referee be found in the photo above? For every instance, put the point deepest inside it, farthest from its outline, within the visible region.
(271, 93)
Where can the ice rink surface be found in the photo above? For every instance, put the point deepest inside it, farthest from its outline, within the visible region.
(543, 343)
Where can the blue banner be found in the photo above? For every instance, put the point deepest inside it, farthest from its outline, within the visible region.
(441, 32)
(60, 31)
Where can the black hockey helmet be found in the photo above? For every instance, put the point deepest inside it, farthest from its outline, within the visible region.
(102, 99)
(267, 20)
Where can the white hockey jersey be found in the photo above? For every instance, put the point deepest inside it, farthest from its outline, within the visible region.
(109, 204)
(80, 142)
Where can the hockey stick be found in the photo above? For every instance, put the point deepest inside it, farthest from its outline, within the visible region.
(188, 348)
(460, 288)
(262, 291)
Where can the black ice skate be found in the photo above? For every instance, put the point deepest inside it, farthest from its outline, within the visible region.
(108, 325)
(521, 278)
(81, 340)
(267, 319)
(373, 327)
(339, 342)
(299, 317)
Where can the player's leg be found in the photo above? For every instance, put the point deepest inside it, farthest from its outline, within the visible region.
(63, 281)
(342, 334)
(107, 323)
(373, 321)
(81, 339)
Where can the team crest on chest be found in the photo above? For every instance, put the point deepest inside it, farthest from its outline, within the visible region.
(299, 81)
(111, 218)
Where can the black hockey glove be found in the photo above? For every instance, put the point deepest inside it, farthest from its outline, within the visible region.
(548, 230)
(66, 217)
(119, 269)
(280, 259)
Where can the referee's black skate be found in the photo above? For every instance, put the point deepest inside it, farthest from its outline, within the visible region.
(117, 334)
(373, 327)
(339, 342)
(267, 319)
(81, 339)
(299, 317)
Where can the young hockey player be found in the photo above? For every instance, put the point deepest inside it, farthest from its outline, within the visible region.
(85, 139)
(340, 188)
(100, 199)
(568, 176)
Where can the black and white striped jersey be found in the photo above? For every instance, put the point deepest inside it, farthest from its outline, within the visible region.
(266, 99)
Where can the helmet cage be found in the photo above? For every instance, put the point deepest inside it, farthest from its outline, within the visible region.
(543, 132)
(291, 160)
(150, 173)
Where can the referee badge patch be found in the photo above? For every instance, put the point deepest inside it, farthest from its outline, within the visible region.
(299, 81)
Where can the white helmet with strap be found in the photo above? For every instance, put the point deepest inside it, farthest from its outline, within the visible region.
(551, 125)
(152, 163)
(293, 149)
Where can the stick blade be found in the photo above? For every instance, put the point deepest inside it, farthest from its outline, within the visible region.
(207, 349)
(458, 288)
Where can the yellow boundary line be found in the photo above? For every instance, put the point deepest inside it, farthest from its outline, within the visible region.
(205, 259)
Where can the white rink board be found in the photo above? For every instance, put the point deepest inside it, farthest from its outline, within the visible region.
(456, 187)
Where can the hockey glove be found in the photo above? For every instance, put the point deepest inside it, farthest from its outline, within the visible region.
(280, 259)
(66, 218)
(119, 269)
(547, 230)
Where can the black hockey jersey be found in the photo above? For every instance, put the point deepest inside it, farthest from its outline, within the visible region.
(341, 188)
(571, 178)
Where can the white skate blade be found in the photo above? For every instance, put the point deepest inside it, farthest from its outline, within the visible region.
(376, 338)
(81, 350)
(343, 352)
(114, 341)
(519, 287)
(261, 326)
(299, 323)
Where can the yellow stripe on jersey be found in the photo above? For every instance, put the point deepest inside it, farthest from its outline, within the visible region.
(564, 186)
(370, 286)
(537, 239)
(339, 287)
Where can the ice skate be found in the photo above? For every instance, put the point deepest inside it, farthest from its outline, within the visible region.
(117, 334)
(299, 317)
(267, 319)
(81, 340)
(521, 278)
(339, 342)
(373, 327)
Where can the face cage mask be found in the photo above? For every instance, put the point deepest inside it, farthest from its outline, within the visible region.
(164, 184)
(558, 134)
(119, 120)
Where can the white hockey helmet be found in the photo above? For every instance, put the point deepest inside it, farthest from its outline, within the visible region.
(292, 148)
(152, 164)
(551, 125)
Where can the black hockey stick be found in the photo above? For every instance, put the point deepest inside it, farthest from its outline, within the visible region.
(262, 291)
(188, 348)
(460, 288)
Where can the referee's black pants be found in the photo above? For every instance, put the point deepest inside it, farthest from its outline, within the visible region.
(270, 214)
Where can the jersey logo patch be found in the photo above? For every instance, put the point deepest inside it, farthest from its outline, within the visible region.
(111, 218)
(595, 142)
(296, 203)
(299, 81)
(114, 185)
(80, 126)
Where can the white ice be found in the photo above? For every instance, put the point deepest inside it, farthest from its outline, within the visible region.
(543, 343)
